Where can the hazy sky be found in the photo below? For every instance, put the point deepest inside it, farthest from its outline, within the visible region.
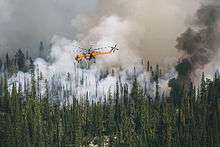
(151, 25)
(23, 23)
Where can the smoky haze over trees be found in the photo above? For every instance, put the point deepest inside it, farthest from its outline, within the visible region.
(120, 118)
(46, 111)
(127, 116)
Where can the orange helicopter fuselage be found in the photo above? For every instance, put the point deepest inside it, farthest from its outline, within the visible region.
(89, 56)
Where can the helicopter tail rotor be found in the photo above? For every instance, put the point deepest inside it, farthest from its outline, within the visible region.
(114, 48)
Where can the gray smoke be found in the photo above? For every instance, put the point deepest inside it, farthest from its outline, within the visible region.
(152, 26)
(200, 41)
(151, 32)
(24, 23)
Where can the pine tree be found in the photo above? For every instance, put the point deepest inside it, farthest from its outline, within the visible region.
(41, 50)
(148, 65)
(20, 60)
(117, 113)
(157, 95)
(1, 65)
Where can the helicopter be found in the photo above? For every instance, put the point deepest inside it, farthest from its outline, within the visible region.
(88, 54)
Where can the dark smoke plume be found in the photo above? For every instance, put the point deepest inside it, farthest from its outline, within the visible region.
(199, 43)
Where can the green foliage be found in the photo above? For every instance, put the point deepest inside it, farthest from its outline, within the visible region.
(120, 119)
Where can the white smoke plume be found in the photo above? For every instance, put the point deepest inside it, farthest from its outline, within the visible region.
(64, 76)
(82, 82)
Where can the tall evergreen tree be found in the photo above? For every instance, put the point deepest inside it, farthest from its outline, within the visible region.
(20, 60)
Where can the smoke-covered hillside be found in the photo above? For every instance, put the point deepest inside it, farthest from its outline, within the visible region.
(159, 87)
(62, 74)
(59, 104)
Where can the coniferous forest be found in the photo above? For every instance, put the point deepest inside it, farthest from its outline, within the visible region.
(189, 117)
